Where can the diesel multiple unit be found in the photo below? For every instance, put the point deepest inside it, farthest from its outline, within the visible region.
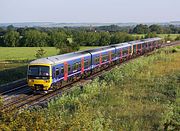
(52, 72)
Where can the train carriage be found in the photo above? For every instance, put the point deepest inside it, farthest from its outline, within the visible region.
(52, 71)
(102, 57)
(153, 43)
(137, 47)
(123, 51)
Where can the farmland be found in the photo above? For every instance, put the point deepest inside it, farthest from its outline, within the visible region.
(172, 36)
(140, 95)
(28, 53)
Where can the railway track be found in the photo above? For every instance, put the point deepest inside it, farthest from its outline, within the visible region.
(22, 96)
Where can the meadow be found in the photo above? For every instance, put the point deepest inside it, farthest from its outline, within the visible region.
(143, 94)
(28, 53)
(172, 36)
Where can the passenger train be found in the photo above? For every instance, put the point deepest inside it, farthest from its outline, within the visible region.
(53, 72)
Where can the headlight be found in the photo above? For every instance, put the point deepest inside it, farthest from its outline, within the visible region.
(31, 81)
(47, 81)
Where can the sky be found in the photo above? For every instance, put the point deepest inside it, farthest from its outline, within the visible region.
(97, 11)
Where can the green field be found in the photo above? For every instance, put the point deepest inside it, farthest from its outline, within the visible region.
(28, 53)
(172, 36)
(143, 94)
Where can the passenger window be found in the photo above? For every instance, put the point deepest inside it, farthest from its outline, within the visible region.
(62, 70)
(74, 66)
(113, 55)
(79, 65)
(86, 63)
(57, 71)
(97, 60)
(69, 68)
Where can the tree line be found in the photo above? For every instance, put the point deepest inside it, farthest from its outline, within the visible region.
(60, 38)
(69, 39)
(142, 29)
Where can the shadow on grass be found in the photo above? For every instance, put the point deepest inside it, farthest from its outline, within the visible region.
(15, 61)
(10, 73)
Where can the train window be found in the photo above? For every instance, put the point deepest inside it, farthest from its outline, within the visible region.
(125, 51)
(79, 65)
(103, 58)
(113, 55)
(89, 62)
(69, 68)
(97, 59)
(62, 70)
(74, 66)
(134, 47)
(57, 71)
(117, 53)
(86, 63)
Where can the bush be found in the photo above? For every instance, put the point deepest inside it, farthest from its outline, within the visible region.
(177, 38)
(40, 53)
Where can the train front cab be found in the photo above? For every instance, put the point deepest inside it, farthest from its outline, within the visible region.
(39, 77)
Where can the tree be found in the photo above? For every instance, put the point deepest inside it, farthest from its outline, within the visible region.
(68, 47)
(10, 28)
(151, 35)
(156, 28)
(91, 39)
(79, 37)
(11, 39)
(141, 29)
(58, 39)
(177, 38)
(104, 39)
(118, 37)
(168, 38)
(34, 38)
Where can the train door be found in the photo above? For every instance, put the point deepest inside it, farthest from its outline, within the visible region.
(128, 51)
(100, 59)
(65, 71)
(110, 58)
(121, 54)
(82, 65)
(136, 48)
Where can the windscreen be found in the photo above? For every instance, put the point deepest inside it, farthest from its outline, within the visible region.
(38, 72)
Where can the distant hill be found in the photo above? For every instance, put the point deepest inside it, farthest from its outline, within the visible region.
(52, 24)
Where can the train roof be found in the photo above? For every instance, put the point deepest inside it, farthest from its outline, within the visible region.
(101, 50)
(60, 58)
(152, 39)
(144, 40)
(121, 45)
(136, 42)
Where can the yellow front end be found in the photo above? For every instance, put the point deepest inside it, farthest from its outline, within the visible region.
(39, 82)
